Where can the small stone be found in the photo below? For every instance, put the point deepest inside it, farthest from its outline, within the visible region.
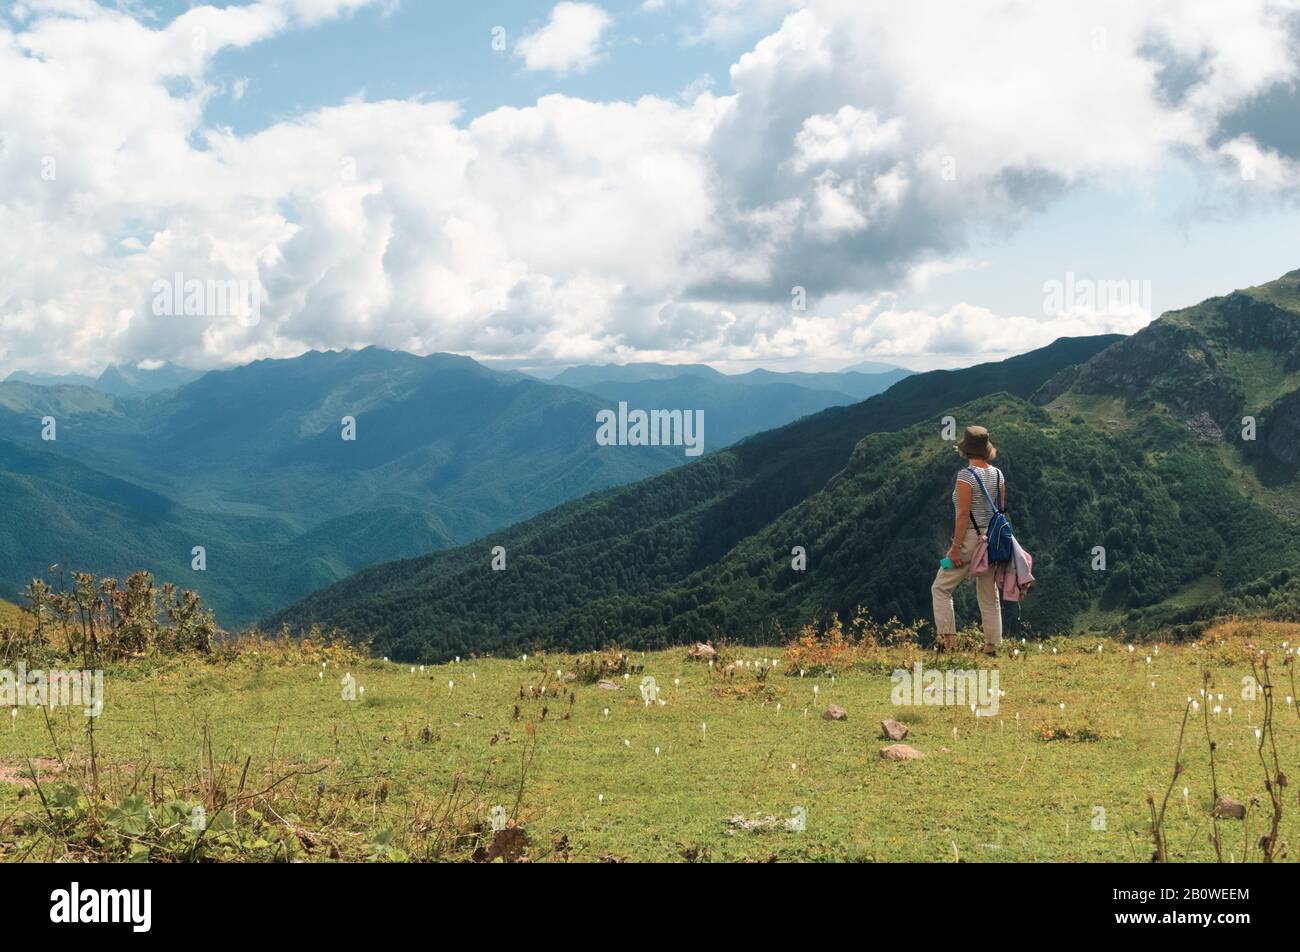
(609, 686)
(900, 752)
(836, 713)
(894, 730)
(1230, 809)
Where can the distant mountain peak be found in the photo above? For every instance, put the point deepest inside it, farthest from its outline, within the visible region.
(146, 376)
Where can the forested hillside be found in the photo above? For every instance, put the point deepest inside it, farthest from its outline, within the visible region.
(641, 539)
(1153, 480)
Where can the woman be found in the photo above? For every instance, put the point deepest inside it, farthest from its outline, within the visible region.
(972, 510)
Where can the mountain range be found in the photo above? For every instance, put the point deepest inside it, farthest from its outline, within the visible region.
(1153, 478)
(252, 464)
(118, 379)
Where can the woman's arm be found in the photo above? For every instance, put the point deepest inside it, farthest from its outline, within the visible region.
(963, 516)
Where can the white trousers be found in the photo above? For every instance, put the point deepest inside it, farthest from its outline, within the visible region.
(986, 593)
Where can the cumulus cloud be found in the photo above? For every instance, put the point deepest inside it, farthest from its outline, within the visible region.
(851, 154)
(570, 41)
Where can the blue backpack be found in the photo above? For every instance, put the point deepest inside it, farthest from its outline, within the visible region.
(999, 533)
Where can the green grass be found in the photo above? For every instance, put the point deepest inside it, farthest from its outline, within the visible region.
(988, 789)
(1263, 374)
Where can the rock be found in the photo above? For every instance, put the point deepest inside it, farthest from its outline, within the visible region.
(609, 686)
(836, 713)
(1229, 809)
(900, 752)
(894, 730)
(703, 651)
(1204, 427)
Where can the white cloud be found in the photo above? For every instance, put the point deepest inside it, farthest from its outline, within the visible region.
(569, 42)
(573, 230)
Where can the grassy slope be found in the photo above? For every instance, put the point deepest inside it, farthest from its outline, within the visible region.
(11, 616)
(997, 793)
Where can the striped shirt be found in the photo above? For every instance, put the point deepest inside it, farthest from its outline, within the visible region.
(992, 479)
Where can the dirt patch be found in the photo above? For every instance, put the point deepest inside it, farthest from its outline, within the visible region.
(15, 772)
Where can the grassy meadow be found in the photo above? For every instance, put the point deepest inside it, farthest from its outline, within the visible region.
(260, 739)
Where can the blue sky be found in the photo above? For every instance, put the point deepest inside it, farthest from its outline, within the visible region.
(443, 50)
(633, 181)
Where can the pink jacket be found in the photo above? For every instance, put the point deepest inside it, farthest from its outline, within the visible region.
(1016, 576)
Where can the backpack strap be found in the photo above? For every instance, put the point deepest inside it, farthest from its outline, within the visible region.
(975, 476)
